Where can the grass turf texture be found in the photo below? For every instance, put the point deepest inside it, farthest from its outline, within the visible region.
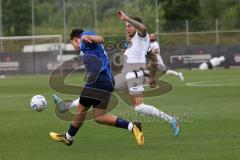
(212, 133)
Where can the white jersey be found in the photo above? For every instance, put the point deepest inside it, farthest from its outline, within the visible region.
(154, 45)
(137, 49)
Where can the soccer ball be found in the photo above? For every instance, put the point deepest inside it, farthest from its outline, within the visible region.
(38, 103)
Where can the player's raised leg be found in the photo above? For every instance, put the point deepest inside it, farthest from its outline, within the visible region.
(174, 73)
(164, 69)
(64, 106)
(140, 107)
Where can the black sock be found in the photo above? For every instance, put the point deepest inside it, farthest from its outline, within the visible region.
(121, 123)
(72, 130)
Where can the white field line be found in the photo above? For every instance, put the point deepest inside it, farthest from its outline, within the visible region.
(216, 83)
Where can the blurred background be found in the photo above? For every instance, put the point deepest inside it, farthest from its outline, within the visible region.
(34, 34)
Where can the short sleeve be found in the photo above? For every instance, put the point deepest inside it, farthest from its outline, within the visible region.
(84, 45)
(89, 33)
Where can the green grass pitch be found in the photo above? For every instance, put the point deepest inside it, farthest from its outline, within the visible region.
(209, 101)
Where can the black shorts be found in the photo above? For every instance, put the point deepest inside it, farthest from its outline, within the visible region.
(99, 93)
(210, 66)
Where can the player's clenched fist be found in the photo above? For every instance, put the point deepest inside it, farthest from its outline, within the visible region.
(122, 15)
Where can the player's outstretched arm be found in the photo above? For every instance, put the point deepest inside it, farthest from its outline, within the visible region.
(92, 39)
(142, 31)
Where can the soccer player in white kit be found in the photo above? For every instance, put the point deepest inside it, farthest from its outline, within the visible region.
(134, 59)
(155, 47)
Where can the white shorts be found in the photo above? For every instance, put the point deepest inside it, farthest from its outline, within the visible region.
(134, 86)
(161, 66)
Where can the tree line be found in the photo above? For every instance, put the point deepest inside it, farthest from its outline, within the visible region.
(17, 19)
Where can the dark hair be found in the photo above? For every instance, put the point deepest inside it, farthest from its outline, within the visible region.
(76, 33)
(138, 19)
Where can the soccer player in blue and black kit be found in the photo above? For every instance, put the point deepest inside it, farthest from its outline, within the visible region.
(100, 82)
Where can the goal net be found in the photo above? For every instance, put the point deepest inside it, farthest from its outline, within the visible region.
(30, 54)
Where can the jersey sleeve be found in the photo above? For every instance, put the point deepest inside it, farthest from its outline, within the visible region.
(85, 46)
(88, 33)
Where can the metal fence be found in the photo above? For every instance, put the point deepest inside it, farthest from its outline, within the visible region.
(21, 57)
(177, 38)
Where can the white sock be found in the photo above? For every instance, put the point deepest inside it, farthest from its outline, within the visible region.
(75, 103)
(152, 111)
(70, 138)
(172, 72)
(130, 126)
